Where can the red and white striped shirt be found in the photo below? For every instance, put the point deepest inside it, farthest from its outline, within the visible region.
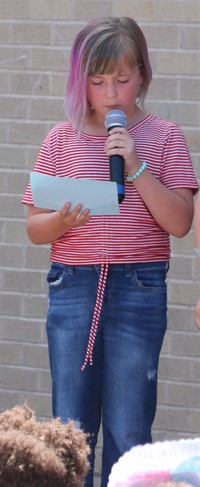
(133, 235)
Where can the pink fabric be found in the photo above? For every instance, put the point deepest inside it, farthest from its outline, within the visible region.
(132, 236)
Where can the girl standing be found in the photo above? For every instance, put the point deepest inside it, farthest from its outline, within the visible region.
(107, 283)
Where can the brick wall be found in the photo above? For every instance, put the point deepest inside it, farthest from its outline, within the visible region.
(35, 40)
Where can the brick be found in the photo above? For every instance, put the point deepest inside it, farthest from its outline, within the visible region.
(22, 281)
(183, 245)
(11, 256)
(36, 257)
(194, 421)
(189, 89)
(89, 9)
(10, 206)
(14, 231)
(192, 136)
(184, 344)
(179, 394)
(26, 355)
(10, 304)
(15, 105)
(27, 132)
(2, 182)
(40, 403)
(30, 33)
(50, 11)
(47, 109)
(16, 182)
(174, 419)
(180, 113)
(27, 83)
(177, 62)
(23, 329)
(32, 153)
(3, 132)
(14, 57)
(20, 378)
(184, 292)
(179, 318)
(181, 268)
(49, 59)
(14, 10)
(12, 156)
(163, 88)
(166, 36)
(174, 367)
(140, 11)
(57, 84)
(176, 11)
(34, 306)
(62, 36)
(5, 36)
(5, 82)
(190, 38)
(45, 380)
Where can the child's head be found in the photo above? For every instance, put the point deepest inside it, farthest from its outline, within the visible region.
(172, 484)
(102, 47)
(40, 454)
(173, 463)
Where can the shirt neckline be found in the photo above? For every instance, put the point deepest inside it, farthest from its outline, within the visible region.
(103, 137)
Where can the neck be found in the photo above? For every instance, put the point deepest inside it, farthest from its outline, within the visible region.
(94, 125)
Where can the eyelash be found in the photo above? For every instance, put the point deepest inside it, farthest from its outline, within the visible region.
(101, 82)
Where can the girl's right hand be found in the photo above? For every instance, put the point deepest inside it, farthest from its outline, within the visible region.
(76, 218)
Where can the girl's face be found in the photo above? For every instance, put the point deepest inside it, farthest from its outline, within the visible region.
(106, 92)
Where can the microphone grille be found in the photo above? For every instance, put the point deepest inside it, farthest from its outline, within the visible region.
(115, 118)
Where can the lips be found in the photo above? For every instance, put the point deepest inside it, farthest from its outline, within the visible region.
(112, 107)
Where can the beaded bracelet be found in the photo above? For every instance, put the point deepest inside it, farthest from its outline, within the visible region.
(137, 173)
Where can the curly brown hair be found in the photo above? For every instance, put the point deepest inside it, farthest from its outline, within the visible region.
(40, 454)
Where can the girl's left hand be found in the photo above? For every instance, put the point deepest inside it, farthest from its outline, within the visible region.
(120, 142)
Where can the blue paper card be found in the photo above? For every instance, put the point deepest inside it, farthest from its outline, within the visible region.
(52, 192)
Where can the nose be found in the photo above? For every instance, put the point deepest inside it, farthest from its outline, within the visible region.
(111, 90)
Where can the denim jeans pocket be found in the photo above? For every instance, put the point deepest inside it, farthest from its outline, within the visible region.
(56, 275)
(151, 278)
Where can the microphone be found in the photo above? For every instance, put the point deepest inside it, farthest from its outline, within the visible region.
(117, 118)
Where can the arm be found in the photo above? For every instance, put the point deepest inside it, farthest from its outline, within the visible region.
(171, 209)
(44, 226)
(197, 243)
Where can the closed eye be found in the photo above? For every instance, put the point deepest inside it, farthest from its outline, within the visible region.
(96, 83)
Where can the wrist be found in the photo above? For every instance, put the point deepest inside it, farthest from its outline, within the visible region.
(137, 173)
(63, 225)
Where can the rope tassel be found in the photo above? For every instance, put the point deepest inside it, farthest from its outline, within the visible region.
(96, 315)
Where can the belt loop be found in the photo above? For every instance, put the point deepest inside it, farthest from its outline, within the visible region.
(128, 270)
(70, 270)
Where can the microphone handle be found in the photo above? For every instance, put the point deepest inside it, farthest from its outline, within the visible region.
(117, 175)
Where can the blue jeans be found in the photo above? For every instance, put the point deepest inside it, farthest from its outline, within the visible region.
(120, 388)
